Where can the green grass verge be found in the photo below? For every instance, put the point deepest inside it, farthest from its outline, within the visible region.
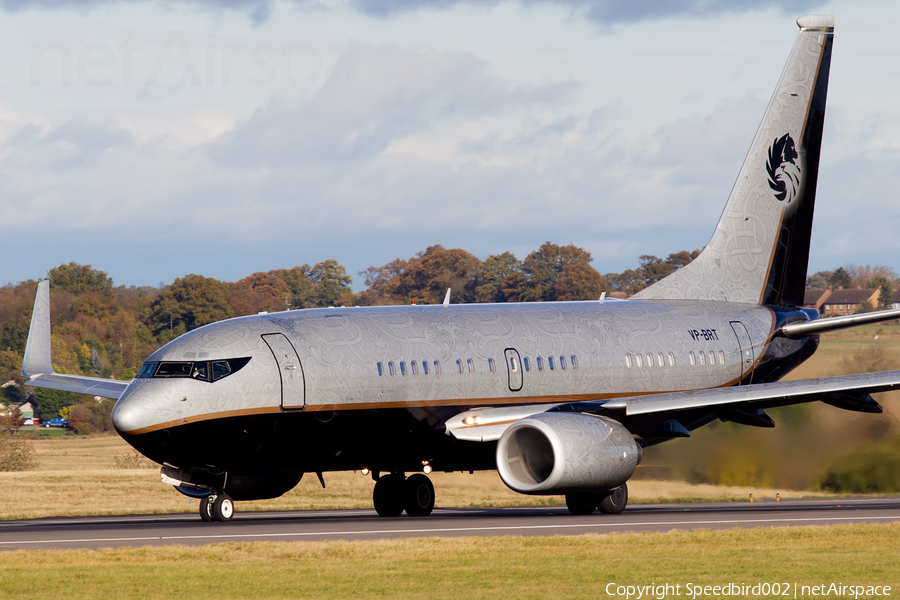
(491, 567)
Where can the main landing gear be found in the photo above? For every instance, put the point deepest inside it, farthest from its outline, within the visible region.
(216, 507)
(610, 503)
(395, 493)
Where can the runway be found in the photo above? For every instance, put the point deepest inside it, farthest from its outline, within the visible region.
(140, 530)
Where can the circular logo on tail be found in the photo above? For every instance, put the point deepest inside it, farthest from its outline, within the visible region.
(782, 167)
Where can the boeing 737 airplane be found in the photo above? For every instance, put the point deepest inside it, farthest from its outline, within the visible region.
(559, 397)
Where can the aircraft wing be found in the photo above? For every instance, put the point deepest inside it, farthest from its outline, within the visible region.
(763, 394)
(37, 367)
(846, 391)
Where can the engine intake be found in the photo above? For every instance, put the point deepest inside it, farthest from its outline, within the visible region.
(552, 453)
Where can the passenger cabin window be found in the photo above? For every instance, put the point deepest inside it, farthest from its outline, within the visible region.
(471, 365)
(540, 363)
(640, 360)
(459, 366)
(380, 370)
(574, 362)
(391, 368)
(660, 361)
(527, 363)
(628, 360)
(402, 368)
(437, 367)
(721, 357)
(712, 357)
(702, 358)
(671, 359)
(550, 362)
(492, 366)
(424, 367)
(414, 366)
(649, 360)
(693, 360)
(562, 363)
(513, 364)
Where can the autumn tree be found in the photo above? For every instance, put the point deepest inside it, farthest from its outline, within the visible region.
(79, 279)
(381, 283)
(543, 268)
(428, 275)
(885, 300)
(580, 281)
(492, 274)
(329, 281)
(840, 279)
(651, 270)
(264, 292)
(190, 302)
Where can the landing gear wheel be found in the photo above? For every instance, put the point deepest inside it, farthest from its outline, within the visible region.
(418, 496)
(206, 508)
(615, 502)
(582, 504)
(387, 496)
(223, 508)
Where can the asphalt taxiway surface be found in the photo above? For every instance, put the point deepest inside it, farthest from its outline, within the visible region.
(140, 530)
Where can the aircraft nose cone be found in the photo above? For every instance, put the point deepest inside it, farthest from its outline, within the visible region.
(127, 414)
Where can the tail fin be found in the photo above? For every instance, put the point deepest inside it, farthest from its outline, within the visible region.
(760, 248)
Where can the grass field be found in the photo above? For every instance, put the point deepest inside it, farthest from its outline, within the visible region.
(488, 567)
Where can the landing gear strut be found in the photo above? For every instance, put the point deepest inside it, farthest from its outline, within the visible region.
(216, 507)
(609, 503)
(395, 493)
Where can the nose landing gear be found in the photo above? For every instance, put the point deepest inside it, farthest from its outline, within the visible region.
(395, 493)
(216, 507)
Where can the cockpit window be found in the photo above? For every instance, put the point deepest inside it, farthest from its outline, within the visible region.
(146, 369)
(174, 369)
(220, 369)
(201, 370)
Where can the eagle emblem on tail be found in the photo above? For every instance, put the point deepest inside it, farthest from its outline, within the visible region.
(783, 170)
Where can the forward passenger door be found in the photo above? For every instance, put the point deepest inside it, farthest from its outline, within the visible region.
(289, 369)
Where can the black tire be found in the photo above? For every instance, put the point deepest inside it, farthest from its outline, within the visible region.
(206, 509)
(386, 498)
(223, 508)
(582, 504)
(615, 502)
(418, 496)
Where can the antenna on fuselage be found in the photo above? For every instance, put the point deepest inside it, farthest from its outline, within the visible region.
(602, 297)
(447, 298)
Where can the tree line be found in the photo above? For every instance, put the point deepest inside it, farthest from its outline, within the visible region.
(103, 330)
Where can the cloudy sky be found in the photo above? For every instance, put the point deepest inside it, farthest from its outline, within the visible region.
(223, 137)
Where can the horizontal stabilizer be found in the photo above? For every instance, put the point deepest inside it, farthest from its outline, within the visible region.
(796, 331)
(38, 367)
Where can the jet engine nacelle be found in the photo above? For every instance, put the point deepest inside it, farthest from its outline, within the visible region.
(552, 453)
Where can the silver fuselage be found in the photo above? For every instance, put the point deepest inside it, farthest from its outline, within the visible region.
(619, 347)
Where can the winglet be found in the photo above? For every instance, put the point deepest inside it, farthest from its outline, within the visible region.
(447, 298)
(37, 349)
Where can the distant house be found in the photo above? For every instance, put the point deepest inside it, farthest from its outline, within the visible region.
(26, 410)
(846, 302)
(895, 299)
(813, 298)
